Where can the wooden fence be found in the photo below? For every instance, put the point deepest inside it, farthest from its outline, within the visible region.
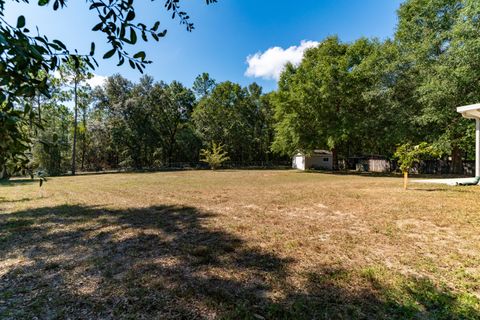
(440, 167)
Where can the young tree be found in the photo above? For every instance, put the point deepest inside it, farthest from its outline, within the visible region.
(408, 154)
(214, 156)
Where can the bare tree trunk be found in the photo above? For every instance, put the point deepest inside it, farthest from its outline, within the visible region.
(335, 159)
(75, 123)
(39, 109)
(3, 173)
(84, 145)
(171, 146)
(457, 163)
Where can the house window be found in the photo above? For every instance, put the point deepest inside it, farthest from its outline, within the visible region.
(325, 159)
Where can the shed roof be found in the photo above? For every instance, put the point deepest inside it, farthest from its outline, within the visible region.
(316, 152)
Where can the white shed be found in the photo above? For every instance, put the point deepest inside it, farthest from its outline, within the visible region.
(318, 159)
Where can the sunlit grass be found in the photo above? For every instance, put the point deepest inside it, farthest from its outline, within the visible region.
(238, 244)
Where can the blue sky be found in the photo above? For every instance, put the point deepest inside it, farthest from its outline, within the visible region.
(226, 34)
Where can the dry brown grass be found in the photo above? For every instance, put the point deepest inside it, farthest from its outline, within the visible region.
(239, 245)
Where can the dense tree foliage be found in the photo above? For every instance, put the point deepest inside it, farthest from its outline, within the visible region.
(26, 59)
(433, 37)
(238, 118)
(152, 124)
(368, 96)
(340, 98)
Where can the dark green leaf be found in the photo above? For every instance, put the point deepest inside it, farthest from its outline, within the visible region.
(96, 5)
(21, 22)
(98, 26)
(133, 36)
(130, 15)
(59, 43)
(140, 55)
(110, 53)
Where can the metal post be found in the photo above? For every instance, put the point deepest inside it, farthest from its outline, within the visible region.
(477, 148)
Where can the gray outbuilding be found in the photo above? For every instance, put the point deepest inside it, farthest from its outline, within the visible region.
(318, 159)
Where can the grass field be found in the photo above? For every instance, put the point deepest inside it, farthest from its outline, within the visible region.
(238, 245)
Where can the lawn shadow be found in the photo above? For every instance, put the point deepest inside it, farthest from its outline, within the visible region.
(446, 189)
(386, 174)
(5, 200)
(356, 173)
(169, 262)
(17, 181)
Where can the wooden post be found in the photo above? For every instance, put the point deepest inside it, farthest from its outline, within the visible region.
(405, 180)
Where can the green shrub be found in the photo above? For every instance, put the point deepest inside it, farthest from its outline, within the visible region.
(214, 156)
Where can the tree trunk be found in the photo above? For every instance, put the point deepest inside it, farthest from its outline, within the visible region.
(84, 145)
(75, 122)
(39, 109)
(405, 180)
(171, 146)
(335, 159)
(457, 163)
(3, 173)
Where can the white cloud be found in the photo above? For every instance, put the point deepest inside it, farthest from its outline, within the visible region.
(97, 80)
(270, 64)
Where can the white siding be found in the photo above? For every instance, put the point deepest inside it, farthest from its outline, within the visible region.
(299, 162)
(316, 161)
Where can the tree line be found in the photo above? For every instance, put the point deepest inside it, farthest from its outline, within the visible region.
(150, 124)
(27, 60)
(364, 97)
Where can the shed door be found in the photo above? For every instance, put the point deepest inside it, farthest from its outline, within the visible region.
(300, 162)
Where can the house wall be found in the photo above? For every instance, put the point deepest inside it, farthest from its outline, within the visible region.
(378, 165)
(319, 162)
